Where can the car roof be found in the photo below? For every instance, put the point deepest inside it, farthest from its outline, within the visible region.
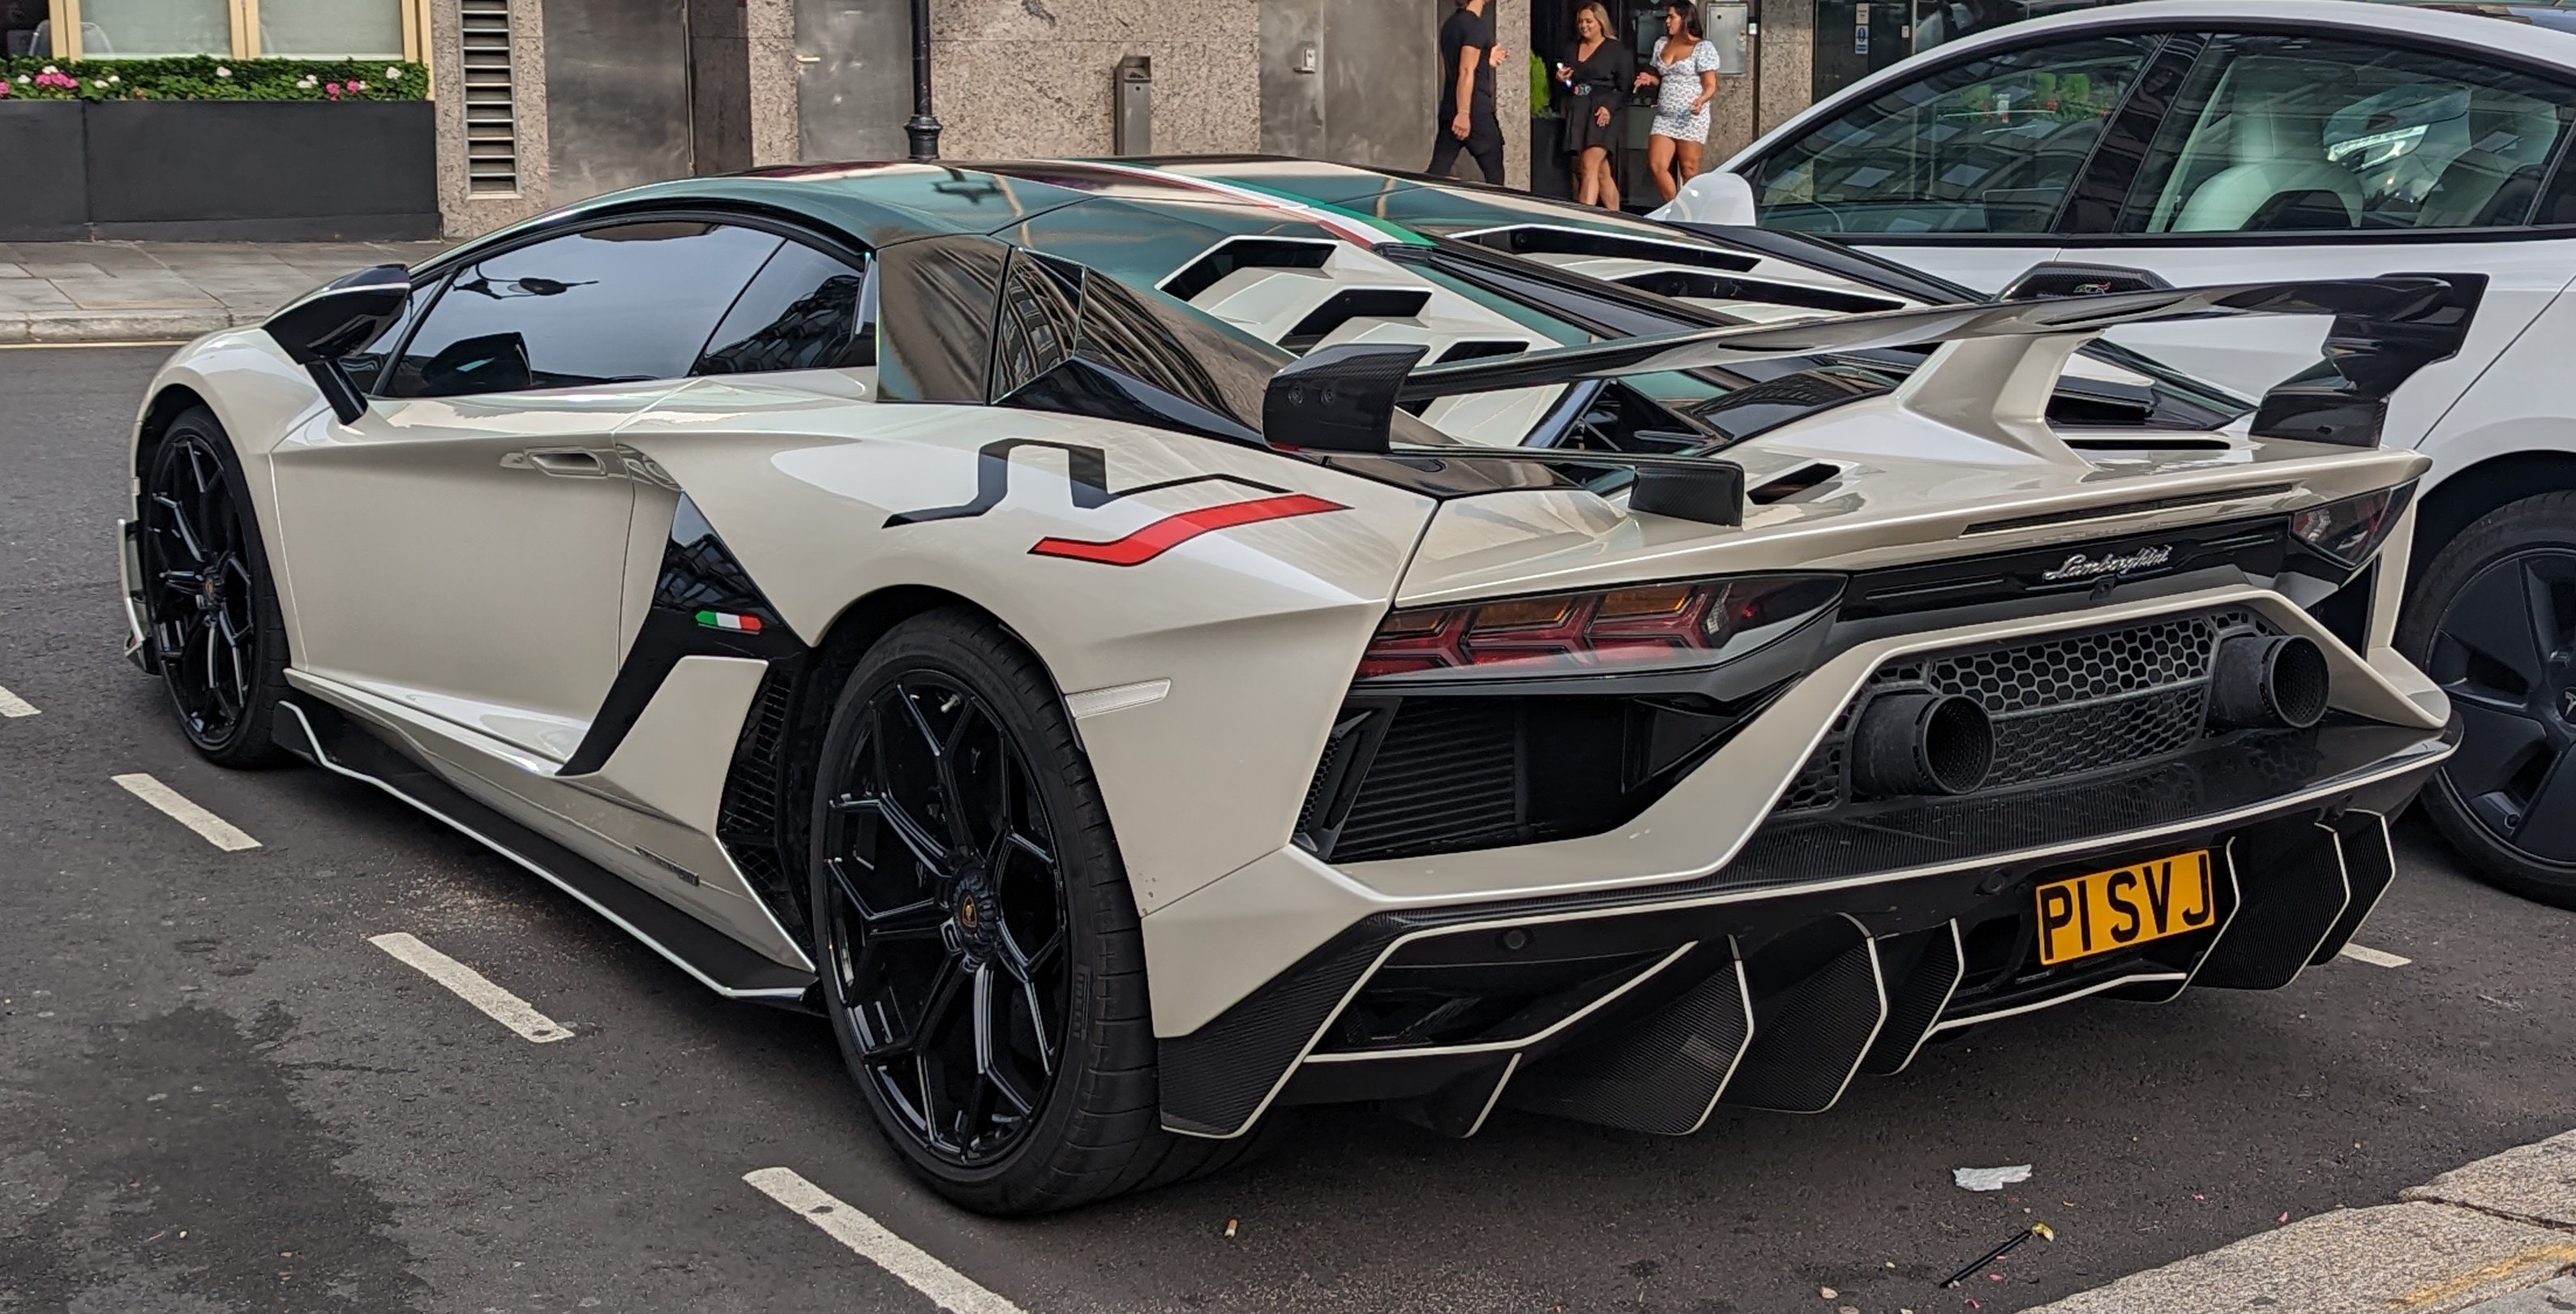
(1137, 220)
(2526, 30)
(2465, 21)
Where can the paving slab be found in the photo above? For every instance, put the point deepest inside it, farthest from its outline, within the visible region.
(2410, 1258)
(167, 291)
(2536, 1182)
(27, 296)
(140, 291)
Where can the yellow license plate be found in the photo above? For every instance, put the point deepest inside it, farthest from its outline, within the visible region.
(2125, 907)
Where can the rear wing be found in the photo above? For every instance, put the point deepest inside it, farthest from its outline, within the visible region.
(1992, 374)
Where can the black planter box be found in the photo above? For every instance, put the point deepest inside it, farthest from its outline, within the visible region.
(227, 170)
(46, 186)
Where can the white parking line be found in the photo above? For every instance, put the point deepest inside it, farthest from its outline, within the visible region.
(2360, 953)
(215, 830)
(13, 705)
(951, 1290)
(473, 987)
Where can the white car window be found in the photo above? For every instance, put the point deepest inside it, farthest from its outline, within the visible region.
(804, 311)
(616, 304)
(1990, 146)
(2302, 134)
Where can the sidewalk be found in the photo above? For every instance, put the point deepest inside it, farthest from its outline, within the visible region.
(167, 291)
(2495, 1237)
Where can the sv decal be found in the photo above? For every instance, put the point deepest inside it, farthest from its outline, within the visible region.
(1087, 468)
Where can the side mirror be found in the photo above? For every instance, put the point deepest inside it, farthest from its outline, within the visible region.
(323, 325)
(1338, 399)
(1713, 198)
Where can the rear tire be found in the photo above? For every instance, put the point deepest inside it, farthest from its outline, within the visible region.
(982, 965)
(217, 635)
(2492, 618)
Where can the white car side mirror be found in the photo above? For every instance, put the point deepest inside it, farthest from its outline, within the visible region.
(1712, 198)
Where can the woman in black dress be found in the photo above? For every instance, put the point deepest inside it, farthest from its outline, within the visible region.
(1597, 81)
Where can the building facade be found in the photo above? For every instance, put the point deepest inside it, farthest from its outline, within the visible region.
(543, 102)
(538, 103)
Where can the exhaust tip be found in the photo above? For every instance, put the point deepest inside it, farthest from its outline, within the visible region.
(2264, 682)
(1920, 743)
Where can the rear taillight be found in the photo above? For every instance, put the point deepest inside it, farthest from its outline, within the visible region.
(1686, 623)
(2351, 530)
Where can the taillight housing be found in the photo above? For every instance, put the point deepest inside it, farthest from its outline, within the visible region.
(2349, 531)
(1635, 627)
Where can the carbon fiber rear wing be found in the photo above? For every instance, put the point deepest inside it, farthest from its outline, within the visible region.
(2001, 359)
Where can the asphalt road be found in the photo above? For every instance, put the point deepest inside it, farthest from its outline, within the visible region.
(216, 1094)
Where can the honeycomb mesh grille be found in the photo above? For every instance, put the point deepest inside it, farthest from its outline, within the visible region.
(2062, 706)
(2086, 667)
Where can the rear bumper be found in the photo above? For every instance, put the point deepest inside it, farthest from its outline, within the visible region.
(1824, 951)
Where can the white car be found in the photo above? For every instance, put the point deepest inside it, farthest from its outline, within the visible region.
(1138, 647)
(2190, 141)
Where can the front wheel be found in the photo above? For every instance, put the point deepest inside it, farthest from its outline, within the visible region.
(982, 964)
(218, 637)
(2492, 619)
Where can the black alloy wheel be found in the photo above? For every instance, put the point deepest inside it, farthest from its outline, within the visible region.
(2495, 626)
(947, 919)
(216, 633)
(983, 968)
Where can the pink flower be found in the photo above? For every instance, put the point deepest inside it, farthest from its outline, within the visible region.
(333, 88)
(4, 88)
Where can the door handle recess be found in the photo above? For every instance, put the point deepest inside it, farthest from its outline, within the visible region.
(563, 462)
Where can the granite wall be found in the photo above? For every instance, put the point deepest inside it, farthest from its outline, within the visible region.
(468, 212)
(1020, 78)
(1785, 52)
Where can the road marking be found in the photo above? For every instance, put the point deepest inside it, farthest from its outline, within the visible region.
(215, 830)
(473, 987)
(13, 705)
(2362, 953)
(2509, 1267)
(951, 1290)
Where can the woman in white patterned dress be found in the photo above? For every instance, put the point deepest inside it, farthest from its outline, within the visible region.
(1684, 78)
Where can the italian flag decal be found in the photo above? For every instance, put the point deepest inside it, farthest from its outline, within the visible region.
(726, 620)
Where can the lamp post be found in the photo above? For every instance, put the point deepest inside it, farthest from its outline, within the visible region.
(923, 127)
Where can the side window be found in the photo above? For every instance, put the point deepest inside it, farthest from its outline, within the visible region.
(620, 304)
(2302, 134)
(1990, 146)
(366, 367)
(805, 311)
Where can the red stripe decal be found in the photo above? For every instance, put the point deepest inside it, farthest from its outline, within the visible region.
(1171, 531)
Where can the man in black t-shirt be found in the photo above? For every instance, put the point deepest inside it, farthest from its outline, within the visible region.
(1468, 58)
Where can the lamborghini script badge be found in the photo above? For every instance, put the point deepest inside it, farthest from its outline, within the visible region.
(2080, 566)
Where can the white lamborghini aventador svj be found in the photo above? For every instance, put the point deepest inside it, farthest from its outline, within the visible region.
(1142, 646)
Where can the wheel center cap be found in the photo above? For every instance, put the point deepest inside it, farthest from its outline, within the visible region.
(974, 911)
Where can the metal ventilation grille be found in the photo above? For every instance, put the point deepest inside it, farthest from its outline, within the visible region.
(491, 117)
(1447, 774)
(747, 814)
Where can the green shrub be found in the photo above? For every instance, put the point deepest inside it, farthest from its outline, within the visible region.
(202, 77)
